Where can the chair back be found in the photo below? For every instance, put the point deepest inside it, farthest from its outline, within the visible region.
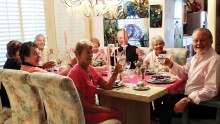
(60, 97)
(25, 101)
(179, 54)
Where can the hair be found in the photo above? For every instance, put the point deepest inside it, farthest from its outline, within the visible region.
(12, 47)
(37, 36)
(157, 38)
(121, 30)
(80, 45)
(25, 50)
(95, 40)
(204, 29)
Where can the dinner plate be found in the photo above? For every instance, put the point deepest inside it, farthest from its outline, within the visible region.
(118, 84)
(161, 81)
(140, 88)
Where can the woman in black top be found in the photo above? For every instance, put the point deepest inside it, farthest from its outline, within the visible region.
(13, 62)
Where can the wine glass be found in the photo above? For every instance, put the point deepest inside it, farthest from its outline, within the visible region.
(161, 58)
(127, 65)
(131, 73)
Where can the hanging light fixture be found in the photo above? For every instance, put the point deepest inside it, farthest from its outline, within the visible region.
(90, 7)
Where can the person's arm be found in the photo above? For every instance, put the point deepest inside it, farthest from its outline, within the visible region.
(108, 84)
(211, 83)
(69, 66)
(181, 71)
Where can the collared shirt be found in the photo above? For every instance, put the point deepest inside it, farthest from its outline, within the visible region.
(202, 74)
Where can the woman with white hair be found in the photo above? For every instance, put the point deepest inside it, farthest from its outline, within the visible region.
(154, 60)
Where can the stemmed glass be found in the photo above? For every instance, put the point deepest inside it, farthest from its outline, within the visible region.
(131, 73)
(161, 58)
(127, 65)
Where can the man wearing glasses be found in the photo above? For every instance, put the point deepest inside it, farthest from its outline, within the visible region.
(203, 80)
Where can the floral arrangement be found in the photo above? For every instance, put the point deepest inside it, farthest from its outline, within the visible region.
(193, 6)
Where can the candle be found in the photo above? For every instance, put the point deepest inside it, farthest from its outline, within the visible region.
(117, 48)
(114, 56)
(65, 37)
(124, 37)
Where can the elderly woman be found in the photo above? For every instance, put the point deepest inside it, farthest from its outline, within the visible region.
(86, 80)
(154, 60)
(13, 62)
(44, 63)
(99, 57)
(30, 59)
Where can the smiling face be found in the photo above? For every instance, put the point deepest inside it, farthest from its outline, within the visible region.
(158, 47)
(202, 41)
(85, 57)
(84, 53)
(40, 41)
(34, 57)
(122, 38)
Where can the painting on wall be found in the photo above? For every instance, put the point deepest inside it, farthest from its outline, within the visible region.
(155, 16)
(110, 31)
(129, 9)
(178, 33)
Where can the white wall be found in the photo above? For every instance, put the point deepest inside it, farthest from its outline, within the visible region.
(167, 29)
(98, 29)
(211, 19)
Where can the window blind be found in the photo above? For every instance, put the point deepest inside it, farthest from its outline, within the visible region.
(73, 25)
(20, 20)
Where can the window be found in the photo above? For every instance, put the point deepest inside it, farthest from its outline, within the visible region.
(20, 20)
(73, 25)
(140, 26)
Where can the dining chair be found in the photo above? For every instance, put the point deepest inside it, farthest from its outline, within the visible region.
(25, 101)
(60, 97)
(215, 102)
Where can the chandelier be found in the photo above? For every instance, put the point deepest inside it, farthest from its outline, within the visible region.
(91, 7)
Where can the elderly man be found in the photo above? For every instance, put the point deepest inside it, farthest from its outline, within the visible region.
(131, 54)
(202, 75)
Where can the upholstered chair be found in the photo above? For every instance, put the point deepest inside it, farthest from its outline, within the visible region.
(60, 97)
(25, 101)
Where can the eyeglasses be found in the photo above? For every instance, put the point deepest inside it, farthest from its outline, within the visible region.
(200, 40)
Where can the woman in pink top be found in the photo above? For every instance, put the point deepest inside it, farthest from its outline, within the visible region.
(86, 80)
(30, 59)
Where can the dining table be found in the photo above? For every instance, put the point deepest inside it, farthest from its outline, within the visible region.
(135, 104)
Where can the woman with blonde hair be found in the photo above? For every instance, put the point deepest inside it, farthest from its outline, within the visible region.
(87, 80)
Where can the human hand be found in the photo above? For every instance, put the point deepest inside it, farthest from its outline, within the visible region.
(180, 105)
(49, 64)
(118, 68)
(167, 62)
(72, 61)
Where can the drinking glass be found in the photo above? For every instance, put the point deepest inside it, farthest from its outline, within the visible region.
(127, 65)
(161, 58)
(131, 73)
